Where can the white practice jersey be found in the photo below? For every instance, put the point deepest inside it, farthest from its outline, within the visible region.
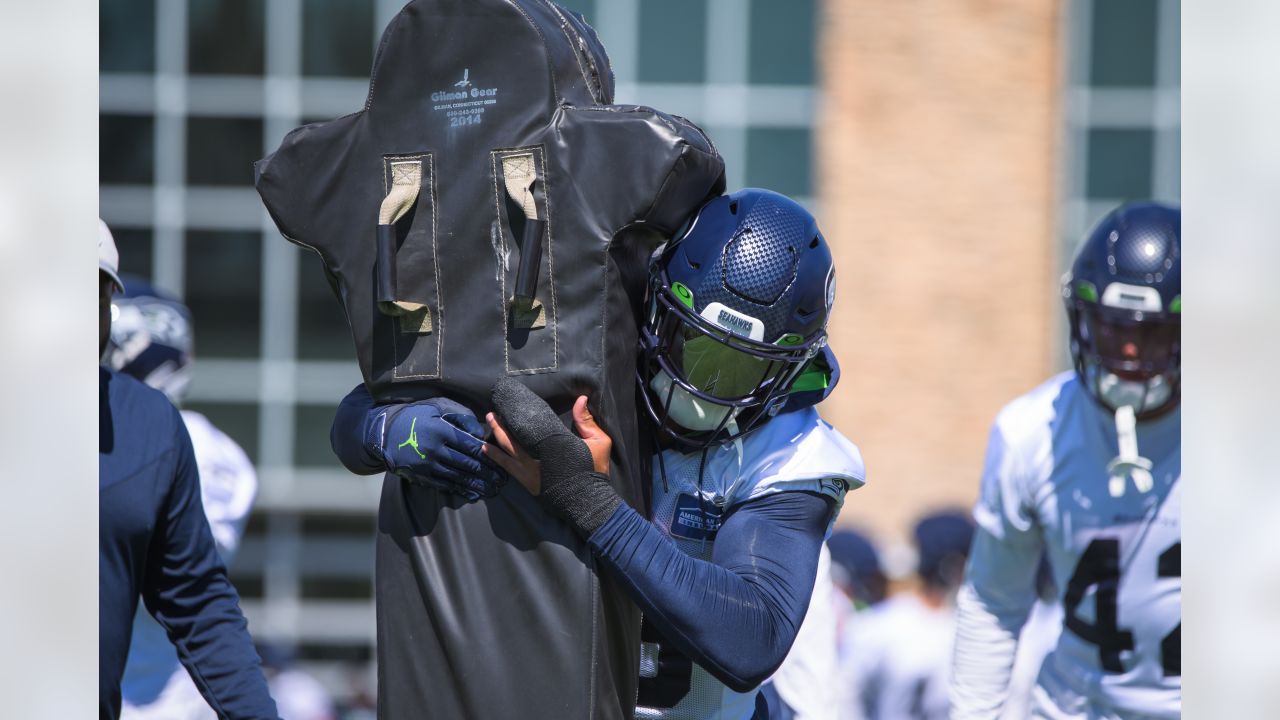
(849, 621)
(795, 451)
(300, 696)
(228, 486)
(1038, 638)
(1116, 561)
(806, 680)
(899, 658)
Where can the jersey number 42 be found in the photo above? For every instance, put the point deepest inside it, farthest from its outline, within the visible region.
(1100, 566)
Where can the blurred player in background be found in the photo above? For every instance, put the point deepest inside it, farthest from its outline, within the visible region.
(856, 569)
(154, 541)
(152, 340)
(805, 686)
(748, 478)
(860, 585)
(1087, 468)
(899, 654)
(299, 695)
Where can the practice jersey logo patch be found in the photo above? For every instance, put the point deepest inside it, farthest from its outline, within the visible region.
(694, 520)
(835, 486)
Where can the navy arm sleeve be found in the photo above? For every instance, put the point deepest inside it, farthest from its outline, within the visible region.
(187, 590)
(737, 615)
(349, 430)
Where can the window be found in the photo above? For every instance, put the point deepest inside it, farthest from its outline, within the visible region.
(1124, 44)
(223, 281)
(126, 32)
(126, 149)
(1119, 164)
(780, 31)
(322, 328)
(337, 38)
(311, 435)
(221, 151)
(225, 36)
(780, 159)
(673, 41)
(238, 420)
(135, 249)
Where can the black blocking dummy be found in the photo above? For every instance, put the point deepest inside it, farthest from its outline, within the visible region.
(489, 213)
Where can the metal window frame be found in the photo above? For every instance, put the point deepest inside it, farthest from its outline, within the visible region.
(277, 381)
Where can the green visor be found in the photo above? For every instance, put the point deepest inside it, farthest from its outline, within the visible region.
(718, 368)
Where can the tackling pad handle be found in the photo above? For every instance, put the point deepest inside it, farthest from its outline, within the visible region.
(406, 183)
(386, 264)
(530, 259)
(520, 177)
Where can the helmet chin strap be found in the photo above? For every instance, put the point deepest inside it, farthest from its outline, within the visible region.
(1128, 463)
(1127, 396)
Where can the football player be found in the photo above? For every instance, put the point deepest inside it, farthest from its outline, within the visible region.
(805, 686)
(856, 571)
(152, 340)
(899, 654)
(1087, 468)
(747, 479)
(861, 586)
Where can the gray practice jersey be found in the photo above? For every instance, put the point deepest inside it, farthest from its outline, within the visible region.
(899, 658)
(795, 451)
(1116, 562)
(807, 680)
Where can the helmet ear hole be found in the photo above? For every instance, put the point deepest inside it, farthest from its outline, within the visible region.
(733, 208)
(813, 243)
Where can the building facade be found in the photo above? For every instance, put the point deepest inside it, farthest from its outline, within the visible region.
(964, 150)
(953, 153)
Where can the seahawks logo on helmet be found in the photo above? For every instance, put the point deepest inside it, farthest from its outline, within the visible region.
(151, 338)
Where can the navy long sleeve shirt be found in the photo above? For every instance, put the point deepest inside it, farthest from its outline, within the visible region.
(154, 542)
(738, 614)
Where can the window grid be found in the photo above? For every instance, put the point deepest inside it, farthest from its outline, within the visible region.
(1105, 111)
(281, 563)
(279, 556)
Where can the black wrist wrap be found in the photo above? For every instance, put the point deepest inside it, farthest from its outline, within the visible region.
(570, 486)
(584, 501)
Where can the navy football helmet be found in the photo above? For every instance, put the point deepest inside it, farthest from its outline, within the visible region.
(151, 338)
(737, 316)
(1124, 303)
(856, 568)
(942, 540)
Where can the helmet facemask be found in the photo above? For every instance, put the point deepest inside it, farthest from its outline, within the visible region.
(1126, 356)
(705, 384)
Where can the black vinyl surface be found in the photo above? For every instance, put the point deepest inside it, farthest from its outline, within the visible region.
(495, 609)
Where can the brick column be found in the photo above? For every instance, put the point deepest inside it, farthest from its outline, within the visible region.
(936, 176)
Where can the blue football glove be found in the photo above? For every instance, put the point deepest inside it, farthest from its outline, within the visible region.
(435, 442)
